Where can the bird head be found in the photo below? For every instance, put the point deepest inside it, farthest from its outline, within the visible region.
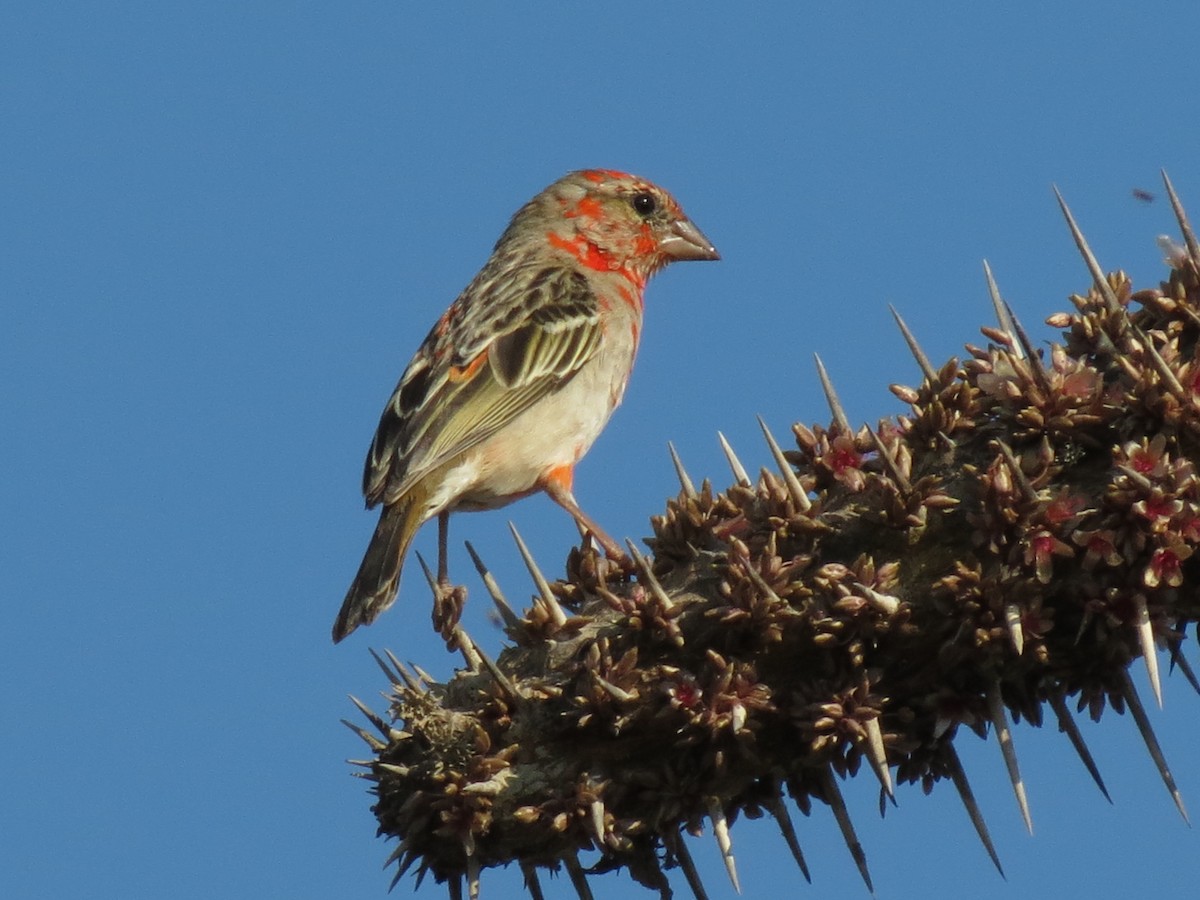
(613, 221)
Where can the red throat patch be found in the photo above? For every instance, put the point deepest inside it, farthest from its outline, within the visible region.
(583, 250)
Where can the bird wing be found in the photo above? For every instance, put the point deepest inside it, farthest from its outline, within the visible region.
(479, 369)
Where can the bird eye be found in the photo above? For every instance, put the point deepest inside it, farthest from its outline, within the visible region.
(644, 203)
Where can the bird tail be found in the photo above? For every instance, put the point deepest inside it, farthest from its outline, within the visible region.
(378, 579)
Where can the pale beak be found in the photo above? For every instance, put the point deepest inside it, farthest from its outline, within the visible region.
(686, 241)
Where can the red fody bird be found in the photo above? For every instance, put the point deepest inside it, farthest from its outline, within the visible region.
(519, 376)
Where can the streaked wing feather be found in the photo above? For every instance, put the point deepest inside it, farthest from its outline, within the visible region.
(532, 355)
(539, 349)
(411, 391)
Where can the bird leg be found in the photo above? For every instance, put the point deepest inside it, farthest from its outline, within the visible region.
(443, 548)
(448, 599)
(557, 486)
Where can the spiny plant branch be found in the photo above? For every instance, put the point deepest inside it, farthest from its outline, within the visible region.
(1010, 545)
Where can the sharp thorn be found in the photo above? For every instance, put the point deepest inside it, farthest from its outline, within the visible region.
(429, 576)
(647, 576)
(1160, 365)
(1029, 353)
(889, 462)
(511, 621)
(724, 844)
(422, 674)
(371, 716)
(532, 884)
(596, 820)
(557, 616)
(577, 875)
(795, 489)
(883, 602)
(838, 805)
(759, 582)
(400, 850)
(877, 756)
(619, 694)
(684, 857)
(1166, 374)
(914, 348)
(1178, 659)
(473, 867)
(371, 741)
(943, 724)
(395, 879)
(1018, 474)
(831, 397)
(1067, 725)
(422, 871)
(1004, 737)
(739, 471)
(1137, 478)
(468, 648)
(1012, 618)
(778, 808)
(959, 777)
(410, 857)
(1189, 237)
(1143, 723)
(409, 681)
(1111, 303)
(465, 645)
(1145, 631)
(502, 680)
(1003, 314)
(685, 481)
(393, 677)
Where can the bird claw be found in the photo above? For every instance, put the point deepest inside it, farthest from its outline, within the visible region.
(448, 602)
(623, 561)
(593, 539)
(613, 556)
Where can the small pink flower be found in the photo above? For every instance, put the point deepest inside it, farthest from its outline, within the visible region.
(1064, 507)
(1040, 553)
(1158, 509)
(1189, 529)
(842, 455)
(1166, 566)
(685, 693)
(1075, 378)
(845, 462)
(1099, 546)
(1150, 458)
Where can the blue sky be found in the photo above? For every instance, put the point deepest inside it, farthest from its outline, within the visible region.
(227, 226)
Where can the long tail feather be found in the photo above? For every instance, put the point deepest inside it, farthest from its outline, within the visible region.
(378, 579)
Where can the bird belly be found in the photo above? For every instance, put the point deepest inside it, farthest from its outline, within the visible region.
(554, 433)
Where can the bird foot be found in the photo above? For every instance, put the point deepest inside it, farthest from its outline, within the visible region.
(448, 602)
(612, 555)
(624, 562)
